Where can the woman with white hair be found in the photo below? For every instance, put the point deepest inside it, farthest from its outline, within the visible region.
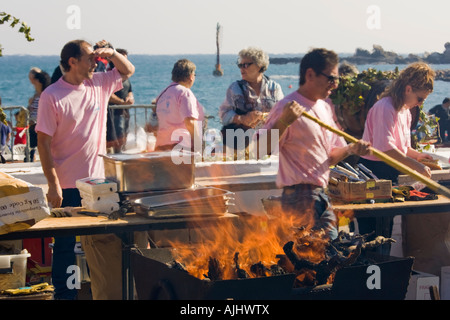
(250, 99)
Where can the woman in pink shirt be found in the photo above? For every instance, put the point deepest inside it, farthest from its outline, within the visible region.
(388, 123)
(388, 129)
(179, 113)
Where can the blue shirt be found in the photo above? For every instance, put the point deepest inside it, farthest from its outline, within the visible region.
(241, 98)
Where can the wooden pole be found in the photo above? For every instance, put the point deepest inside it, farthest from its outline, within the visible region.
(433, 185)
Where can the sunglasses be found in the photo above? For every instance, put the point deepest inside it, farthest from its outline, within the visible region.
(331, 79)
(420, 99)
(244, 65)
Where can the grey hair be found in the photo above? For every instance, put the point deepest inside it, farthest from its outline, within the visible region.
(182, 70)
(258, 56)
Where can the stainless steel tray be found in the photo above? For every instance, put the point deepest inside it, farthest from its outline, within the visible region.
(201, 201)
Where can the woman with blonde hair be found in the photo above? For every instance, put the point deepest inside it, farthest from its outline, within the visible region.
(388, 123)
(388, 127)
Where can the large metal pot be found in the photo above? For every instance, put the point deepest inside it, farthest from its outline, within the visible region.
(150, 171)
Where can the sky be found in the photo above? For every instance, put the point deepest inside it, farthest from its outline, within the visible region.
(189, 26)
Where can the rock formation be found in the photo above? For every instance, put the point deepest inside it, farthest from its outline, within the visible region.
(379, 55)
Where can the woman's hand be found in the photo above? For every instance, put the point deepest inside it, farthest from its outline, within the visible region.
(250, 119)
(423, 156)
(424, 170)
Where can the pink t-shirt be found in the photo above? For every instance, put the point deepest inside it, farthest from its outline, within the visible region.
(75, 117)
(305, 146)
(387, 129)
(174, 105)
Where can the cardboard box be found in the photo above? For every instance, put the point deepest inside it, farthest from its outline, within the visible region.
(419, 285)
(362, 191)
(21, 204)
(445, 283)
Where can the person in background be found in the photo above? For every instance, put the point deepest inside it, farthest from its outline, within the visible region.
(388, 128)
(307, 150)
(442, 112)
(178, 110)
(71, 127)
(40, 81)
(102, 63)
(248, 101)
(5, 133)
(21, 127)
(119, 119)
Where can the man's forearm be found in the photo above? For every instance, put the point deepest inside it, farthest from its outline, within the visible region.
(123, 65)
(115, 100)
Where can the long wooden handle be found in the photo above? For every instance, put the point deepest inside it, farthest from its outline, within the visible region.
(433, 185)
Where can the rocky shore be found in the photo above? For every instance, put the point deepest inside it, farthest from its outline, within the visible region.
(381, 56)
(443, 75)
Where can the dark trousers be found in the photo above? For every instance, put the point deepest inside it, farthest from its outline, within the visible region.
(368, 225)
(312, 203)
(64, 254)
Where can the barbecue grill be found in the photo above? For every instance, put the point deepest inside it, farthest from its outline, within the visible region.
(155, 280)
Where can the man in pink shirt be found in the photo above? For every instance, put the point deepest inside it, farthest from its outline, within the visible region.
(306, 150)
(72, 133)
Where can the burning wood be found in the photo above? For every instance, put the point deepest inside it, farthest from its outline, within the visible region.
(240, 273)
(342, 252)
(215, 271)
(261, 248)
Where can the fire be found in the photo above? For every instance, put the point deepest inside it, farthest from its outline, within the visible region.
(252, 242)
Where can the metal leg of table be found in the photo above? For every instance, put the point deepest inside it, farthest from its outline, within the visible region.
(127, 275)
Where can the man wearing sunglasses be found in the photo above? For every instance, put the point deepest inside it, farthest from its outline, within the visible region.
(306, 150)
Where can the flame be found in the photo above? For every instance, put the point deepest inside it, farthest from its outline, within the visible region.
(248, 241)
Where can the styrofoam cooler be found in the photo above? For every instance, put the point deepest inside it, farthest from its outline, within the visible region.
(102, 206)
(13, 270)
(112, 197)
(99, 194)
(96, 186)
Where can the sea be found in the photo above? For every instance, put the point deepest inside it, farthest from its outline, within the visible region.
(153, 74)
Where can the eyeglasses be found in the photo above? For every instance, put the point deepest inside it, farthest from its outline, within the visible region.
(331, 79)
(420, 99)
(244, 65)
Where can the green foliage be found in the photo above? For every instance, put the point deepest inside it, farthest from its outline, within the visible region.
(426, 131)
(13, 22)
(3, 116)
(352, 92)
(353, 89)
